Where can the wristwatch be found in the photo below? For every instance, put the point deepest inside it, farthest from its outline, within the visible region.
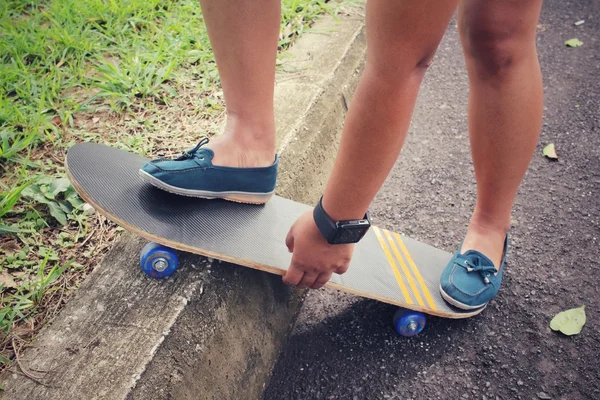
(341, 232)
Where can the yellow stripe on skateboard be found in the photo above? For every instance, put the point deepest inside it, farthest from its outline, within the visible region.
(393, 265)
(407, 274)
(416, 272)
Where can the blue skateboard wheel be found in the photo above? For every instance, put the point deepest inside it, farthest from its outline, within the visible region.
(408, 323)
(158, 261)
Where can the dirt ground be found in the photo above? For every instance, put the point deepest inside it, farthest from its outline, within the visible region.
(344, 347)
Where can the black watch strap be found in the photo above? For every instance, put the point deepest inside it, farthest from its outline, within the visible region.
(340, 232)
(324, 222)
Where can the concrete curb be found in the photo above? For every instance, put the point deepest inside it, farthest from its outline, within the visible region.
(211, 331)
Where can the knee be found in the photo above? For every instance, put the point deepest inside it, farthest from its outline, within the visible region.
(398, 69)
(493, 49)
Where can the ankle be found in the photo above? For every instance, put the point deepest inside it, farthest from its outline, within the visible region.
(242, 150)
(486, 237)
(483, 222)
(254, 133)
(245, 145)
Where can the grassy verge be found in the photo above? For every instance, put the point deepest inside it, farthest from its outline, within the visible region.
(138, 74)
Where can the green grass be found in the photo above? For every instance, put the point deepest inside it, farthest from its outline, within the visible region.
(78, 70)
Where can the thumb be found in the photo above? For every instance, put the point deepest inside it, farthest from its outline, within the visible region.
(289, 240)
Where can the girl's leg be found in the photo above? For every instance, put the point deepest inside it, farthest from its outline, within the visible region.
(505, 110)
(402, 39)
(244, 36)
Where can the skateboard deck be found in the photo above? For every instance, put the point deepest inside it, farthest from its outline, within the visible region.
(386, 266)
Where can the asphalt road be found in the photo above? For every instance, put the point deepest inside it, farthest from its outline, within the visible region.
(344, 347)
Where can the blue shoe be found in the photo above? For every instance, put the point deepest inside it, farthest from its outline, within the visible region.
(193, 174)
(470, 280)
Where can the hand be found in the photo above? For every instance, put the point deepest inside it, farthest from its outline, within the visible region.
(314, 260)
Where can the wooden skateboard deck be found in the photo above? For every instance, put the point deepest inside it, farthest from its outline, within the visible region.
(386, 266)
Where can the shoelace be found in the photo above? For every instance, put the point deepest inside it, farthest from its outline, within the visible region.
(190, 153)
(484, 270)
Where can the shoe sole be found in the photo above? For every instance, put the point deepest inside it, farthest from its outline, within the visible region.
(458, 304)
(238, 197)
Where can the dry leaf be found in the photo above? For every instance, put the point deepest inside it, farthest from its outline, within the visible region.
(20, 274)
(10, 247)
(7, 280)
(569, 322)
(287, 31)
(57, 121)
(23, 330)
(550, 152)
(574, 43)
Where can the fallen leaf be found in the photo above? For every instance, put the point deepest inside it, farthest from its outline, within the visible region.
(22, 331)
(88, 209)
(7, 280)
(112, 60)
(569, 322)
(10, 247)
(287, 31)
(57, 121)
(573, 43)
(550, 152)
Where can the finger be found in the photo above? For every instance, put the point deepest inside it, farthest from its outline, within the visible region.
(308, 280)
(321, 280)
(293, 276)
(342, 269)
(289, 241)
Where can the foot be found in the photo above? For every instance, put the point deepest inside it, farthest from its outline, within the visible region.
(196, 173)
(471, 279)
(230, 151)
(486, 238)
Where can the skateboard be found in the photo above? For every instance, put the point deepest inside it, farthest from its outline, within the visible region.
(386, 266)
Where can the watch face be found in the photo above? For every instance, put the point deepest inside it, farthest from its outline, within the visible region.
(350, 233)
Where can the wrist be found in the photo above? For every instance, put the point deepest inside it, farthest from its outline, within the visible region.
(341, 210)
(340, 231)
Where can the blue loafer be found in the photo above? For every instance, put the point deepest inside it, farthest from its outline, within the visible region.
(470, 280)
(193, 174)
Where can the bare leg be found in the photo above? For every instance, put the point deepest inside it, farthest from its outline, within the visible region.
(402, 39)
(505, 109)
(244, 36)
